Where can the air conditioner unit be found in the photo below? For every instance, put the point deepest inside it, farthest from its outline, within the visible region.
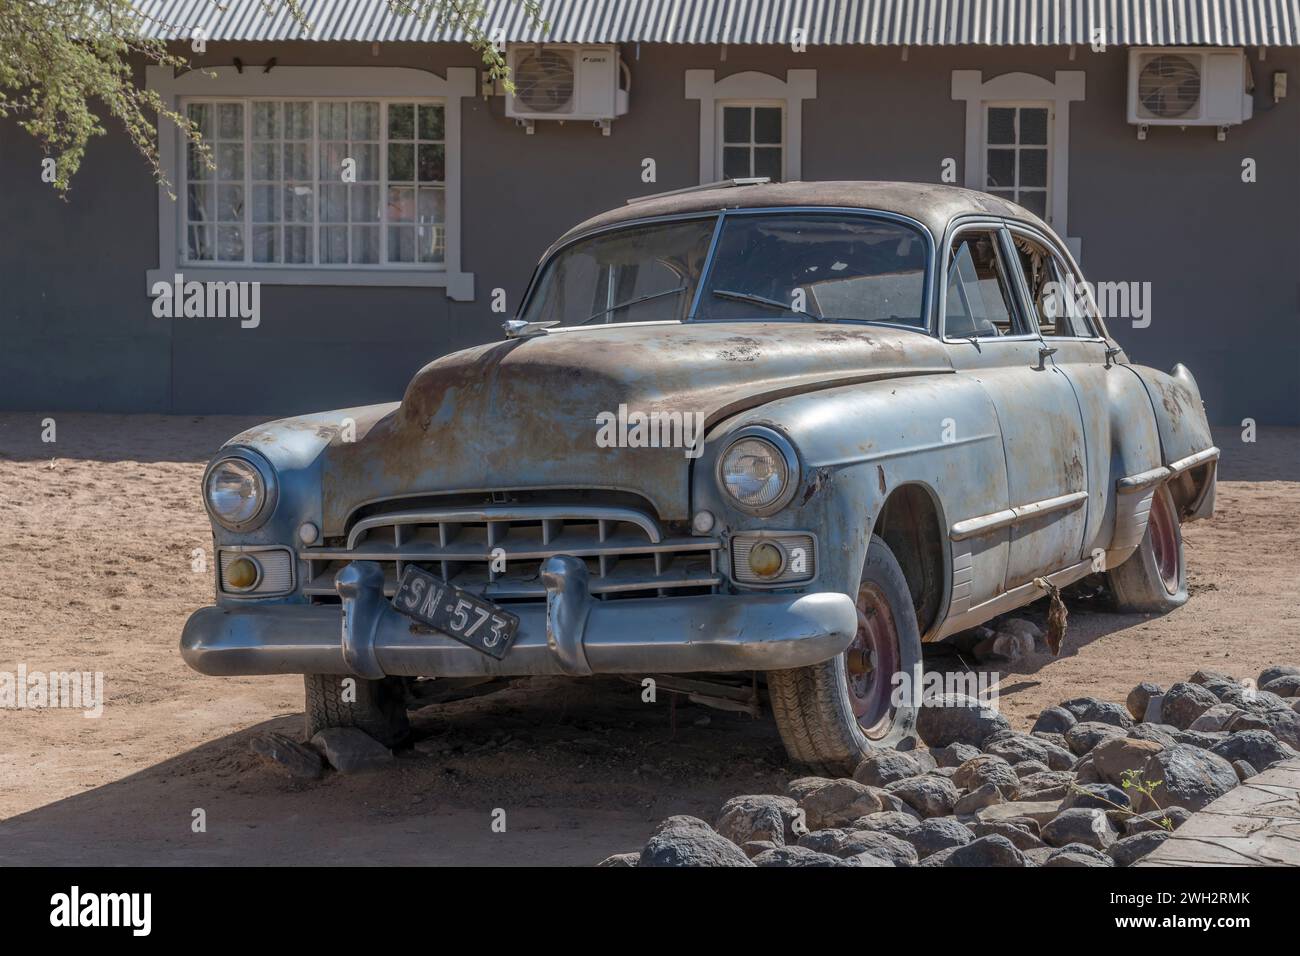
(1188, 86)
(560, 81)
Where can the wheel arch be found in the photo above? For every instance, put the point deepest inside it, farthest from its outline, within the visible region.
(912, 523)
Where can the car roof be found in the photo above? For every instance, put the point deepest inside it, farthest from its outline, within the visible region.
(932, 204)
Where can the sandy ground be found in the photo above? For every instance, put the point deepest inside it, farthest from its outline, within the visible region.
(96, 535)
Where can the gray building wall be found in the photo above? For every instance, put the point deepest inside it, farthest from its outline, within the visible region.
(77, 331)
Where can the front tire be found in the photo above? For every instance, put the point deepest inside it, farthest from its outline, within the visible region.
(833, 714)
(379, 707)
(1154, 577)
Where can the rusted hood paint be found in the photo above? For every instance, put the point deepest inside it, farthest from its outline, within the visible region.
(524, 413)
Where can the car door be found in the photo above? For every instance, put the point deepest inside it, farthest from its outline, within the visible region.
(1118, 425)
(991, 337)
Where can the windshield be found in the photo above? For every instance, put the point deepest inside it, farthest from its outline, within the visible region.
(779, 267)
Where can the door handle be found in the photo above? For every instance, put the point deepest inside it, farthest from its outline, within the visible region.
(1044, 352)
(1111, 352)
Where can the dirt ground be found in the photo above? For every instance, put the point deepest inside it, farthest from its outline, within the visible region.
(96, 535)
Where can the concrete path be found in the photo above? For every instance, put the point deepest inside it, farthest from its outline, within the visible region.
(1257, 824)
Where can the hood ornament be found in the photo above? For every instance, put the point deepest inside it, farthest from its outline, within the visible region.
(518, 328)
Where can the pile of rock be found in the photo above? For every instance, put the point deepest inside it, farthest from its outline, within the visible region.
(346, 749)
(1093, 783)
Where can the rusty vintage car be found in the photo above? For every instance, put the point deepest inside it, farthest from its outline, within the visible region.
(904, 429)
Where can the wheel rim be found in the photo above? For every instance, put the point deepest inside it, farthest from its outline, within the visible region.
(870, 662)
(1164, 541)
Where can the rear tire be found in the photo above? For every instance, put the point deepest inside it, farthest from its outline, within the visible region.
(833, 714)
(379, 708)
(1154, 577)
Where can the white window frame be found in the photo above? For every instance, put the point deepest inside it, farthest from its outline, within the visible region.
(751, 89)
(985, 146)
(1027, 89)
(384, 84)
(721, 137)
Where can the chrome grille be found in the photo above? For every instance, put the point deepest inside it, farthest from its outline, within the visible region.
(625, 550)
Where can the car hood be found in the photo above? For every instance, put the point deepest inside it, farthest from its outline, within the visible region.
(525, 413)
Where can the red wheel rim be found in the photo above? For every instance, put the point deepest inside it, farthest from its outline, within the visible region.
(1164, 540)
(870, 662)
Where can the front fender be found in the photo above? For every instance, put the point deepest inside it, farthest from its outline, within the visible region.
(1184, 436)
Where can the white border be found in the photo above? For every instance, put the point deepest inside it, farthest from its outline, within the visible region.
(747, 89)
(969, 85)
(323, 83)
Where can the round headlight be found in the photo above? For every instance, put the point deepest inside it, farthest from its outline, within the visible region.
(236, 491)
(755, 472)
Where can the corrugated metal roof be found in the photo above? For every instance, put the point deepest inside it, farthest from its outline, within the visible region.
(827, 22)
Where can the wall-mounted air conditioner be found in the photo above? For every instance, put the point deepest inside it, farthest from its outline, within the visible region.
(1188, 86)
(560, 81)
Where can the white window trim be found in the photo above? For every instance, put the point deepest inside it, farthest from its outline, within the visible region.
(1024, 88)
(310, 82)
(748, 89)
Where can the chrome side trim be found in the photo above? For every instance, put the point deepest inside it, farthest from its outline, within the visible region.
(1191, 461)
(1010, 600)
(1141, 481)
(985, 524)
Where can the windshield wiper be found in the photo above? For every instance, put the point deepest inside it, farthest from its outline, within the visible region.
(763, 300)
(631, 302)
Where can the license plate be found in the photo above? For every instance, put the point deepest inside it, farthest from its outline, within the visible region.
(430, 600)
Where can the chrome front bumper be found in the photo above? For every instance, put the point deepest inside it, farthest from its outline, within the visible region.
(572, 633)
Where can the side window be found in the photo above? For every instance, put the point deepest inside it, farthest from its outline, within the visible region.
(1059, 301)
(980, 301)
(753, 141)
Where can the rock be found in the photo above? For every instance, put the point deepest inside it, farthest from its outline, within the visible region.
(988, 768)
(957, 719)
(758, 817)
(1058, 757)
(350, 750)
(1184, 702)
(621, 859)
(924, 759)
(882, 767)
(943, 772)
(1023, 627)
(1205, 739)
(887, 821)
(1163, 734)
(1244, 770)
(877, 843)
(1295, 705)
(954, 755)
(1055, 720)
(866, 859)
(1085, 771)
(754, 847)
(837, 803)
(823, 841)
(1040, 811)
(985, 795)
(1114, 757)
(287, 755)
(1187, 777)
(938, 833)
(1208, 677)
(691, 845)
(1057, 740)
(1216, 718)
(796, 856)
(1106, 712)
(930, 796)
(1020, 836)
(991, 850)
(890, 802)
(1155, 710)
(1090, 827)
(1045, 785)
(1139, 697)
(1085, 735)
(1027, 768)
(1097, 796)
(1129, 850)
(1270, 674)
(938, 859)
(681, 821)
(1150, 821)
(1040, 856)
(1077, 854)
(1287, 685)
(1285, 726)
(1259, 748)
(1013, 748)
(799, 788)
(1005, 646)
